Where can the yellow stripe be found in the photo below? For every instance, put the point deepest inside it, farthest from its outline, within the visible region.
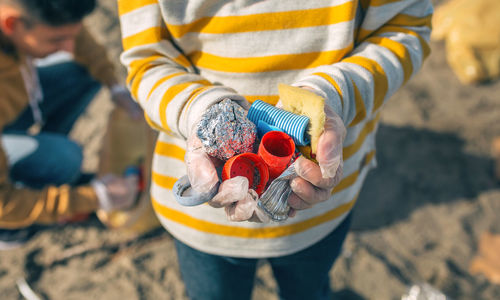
(170, 94)
(170, 150)
(149, 36)
(271, 99)
(259, 233)
(267, 63)
(134, 89)
(162, 80)
(386, 29)
(166, 182)
(334, 83)
(182, 60)
(351, 179)
(410, 21)
(195, 94)
(137, 65)
(423, 42)
(401, 20)
(369, 157)
(268, 21)
(360, 106)
(346, 182)
(126, 6)
(354, 147)
(382, 2)
(380, 84)
(399, 50)
(151, 123)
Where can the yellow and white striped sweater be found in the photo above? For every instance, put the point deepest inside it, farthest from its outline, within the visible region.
(183, 56)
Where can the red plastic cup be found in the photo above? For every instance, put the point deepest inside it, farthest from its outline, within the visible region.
(249, 165)
(276, 149)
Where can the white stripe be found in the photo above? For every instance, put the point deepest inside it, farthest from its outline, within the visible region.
(251, 83)
(271, 42)
(244, 247)
(376, 16)
(168, 166)
(172, 140)
(140, 19)
(241, 8)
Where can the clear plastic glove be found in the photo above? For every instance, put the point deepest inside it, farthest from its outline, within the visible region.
(116, 193)
(316, 181)
(122, 97)
(239, 202)
(201, 168)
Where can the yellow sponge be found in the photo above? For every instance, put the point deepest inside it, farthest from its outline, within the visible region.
(303, 102)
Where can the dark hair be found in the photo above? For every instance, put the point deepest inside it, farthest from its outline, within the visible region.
(55, 12)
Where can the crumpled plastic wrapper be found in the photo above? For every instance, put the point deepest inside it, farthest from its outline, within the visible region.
(274, 201)
(225, 131)
(471, 30)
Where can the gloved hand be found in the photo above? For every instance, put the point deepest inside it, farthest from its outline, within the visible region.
(122, 97)
(315, 182)
(239, 202)
(201, 168)
(116, 193)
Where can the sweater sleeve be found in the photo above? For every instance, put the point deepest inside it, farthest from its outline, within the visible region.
(160, 76)
(391, 44)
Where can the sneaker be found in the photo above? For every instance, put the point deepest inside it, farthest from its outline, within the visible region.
(14, 238)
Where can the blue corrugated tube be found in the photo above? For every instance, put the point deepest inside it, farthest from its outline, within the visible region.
(293, 125)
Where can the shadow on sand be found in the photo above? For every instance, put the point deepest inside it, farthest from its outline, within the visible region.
(418, 167)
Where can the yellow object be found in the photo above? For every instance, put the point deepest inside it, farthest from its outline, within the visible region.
(129, 143)
(303, 102)
(487, 262)
(471, 30)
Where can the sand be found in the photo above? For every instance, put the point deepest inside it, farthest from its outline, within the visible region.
(418, 218)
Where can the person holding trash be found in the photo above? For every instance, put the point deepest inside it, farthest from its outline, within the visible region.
(183, 57)
(40, 167)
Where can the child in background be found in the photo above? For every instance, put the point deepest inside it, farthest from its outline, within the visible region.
(40, 167)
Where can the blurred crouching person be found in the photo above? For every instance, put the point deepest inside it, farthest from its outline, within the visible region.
(40, 167)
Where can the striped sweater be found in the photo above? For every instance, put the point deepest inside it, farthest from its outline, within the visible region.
(183, 56)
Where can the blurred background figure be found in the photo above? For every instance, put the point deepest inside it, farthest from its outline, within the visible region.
(474, 55)
(40, 167)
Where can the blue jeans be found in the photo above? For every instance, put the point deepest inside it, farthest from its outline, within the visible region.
(302, 275)
(50, 158)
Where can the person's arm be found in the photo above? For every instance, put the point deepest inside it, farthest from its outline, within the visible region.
(391, 45)
(160, 77)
